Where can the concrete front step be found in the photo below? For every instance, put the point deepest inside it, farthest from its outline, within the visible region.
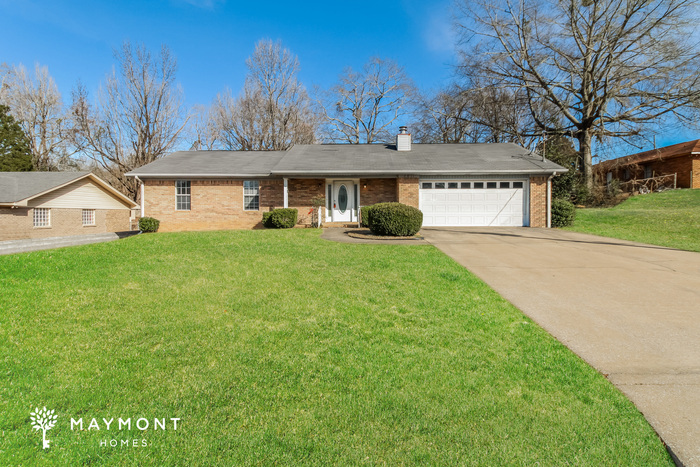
(20, 246)
(346, 225)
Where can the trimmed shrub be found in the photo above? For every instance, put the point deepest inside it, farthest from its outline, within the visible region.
(148, 224)
(284, 218)
(395, 219)
(563, 213)
(365, 216)
(266, 219)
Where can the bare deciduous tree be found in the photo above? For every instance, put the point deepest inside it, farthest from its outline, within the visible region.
(608, 67)
(274, 111)
(476, 114)
(363, 106)
(138, 114)
(37, 105)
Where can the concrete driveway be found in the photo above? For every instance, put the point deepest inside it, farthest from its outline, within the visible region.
(630, 310)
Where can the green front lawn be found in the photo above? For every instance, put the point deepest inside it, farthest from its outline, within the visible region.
(277, 347)
(671, 218)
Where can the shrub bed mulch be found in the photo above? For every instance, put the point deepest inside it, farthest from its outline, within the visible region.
(366, 234)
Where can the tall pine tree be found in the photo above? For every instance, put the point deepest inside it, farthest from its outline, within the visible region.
(15, 152)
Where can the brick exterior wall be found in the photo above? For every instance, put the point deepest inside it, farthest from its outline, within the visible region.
(686, 167)
(301, 192)
(378, 190)
(538, 201)
(214, 204)
(407, 191)
(18, 224)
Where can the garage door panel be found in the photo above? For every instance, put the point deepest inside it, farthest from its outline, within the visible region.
(474, 206)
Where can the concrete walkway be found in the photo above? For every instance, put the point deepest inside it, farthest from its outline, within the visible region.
(630, 310)
(22, 246)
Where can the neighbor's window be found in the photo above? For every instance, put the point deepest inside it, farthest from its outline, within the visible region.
(88, 217)
(42, 217)
(183, 195)
(251, 195)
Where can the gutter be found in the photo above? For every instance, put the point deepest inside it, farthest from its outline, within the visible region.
(196, 175)
(419, 172)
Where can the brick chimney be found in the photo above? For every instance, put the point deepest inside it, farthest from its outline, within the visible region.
(403, 139)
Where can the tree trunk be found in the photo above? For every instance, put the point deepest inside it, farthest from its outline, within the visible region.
(586, 158)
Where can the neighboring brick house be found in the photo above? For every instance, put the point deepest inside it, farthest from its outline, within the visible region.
(57, 204)
(681, 160)
(453, 184)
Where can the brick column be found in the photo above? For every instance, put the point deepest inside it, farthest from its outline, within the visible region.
(538, 201)
(695, 172)
(407, 191)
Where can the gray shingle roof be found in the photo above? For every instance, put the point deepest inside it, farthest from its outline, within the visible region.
(351, 159)
(359, 159)
(212, 164)
(16, 186)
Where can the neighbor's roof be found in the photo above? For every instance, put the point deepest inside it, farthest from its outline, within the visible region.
(16, 187)
(212, 164)
(353, 159)
(666, 152)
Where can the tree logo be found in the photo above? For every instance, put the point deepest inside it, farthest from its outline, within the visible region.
(43, 420)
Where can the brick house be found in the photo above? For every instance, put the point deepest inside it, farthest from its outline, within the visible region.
(681, 160)
(453, 184)
(57, 204)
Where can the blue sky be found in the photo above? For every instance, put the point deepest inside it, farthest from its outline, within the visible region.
(211, 39)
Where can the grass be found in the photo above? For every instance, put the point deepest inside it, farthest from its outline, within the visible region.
(277, 347)
(671, 219)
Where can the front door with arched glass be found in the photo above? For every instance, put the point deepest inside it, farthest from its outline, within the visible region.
(343, 201)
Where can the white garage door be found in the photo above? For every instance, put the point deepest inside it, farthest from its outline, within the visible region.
(473, 203)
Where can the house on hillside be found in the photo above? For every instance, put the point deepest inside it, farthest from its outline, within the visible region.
(57, 204)
(678, 163)
(452, 184)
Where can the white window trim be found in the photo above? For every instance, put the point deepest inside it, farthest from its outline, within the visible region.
(244, 196)
(189, 196)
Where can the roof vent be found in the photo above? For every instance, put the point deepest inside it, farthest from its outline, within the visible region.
(403, 139)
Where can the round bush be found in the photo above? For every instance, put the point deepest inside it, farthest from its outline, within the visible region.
(284, 218)
(563, 213)
(148, 224)
(365, 216)
(395, 219)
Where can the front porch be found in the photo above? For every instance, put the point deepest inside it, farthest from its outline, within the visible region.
(342, 197)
